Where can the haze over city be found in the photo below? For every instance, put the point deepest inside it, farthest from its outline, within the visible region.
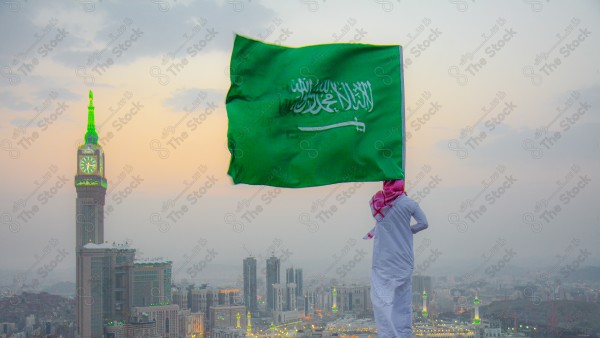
(501, 117)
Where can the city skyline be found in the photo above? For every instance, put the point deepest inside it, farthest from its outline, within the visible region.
(176, 190)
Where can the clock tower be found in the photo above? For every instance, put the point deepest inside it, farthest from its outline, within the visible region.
(90, 183)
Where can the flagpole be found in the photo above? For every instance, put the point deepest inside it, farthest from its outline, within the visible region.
(402, 113)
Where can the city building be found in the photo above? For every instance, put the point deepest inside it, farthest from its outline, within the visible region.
(273, 266)
(152, 282)
(298, 279)
(90, 184)
(250, 283)
(230, 296)
(278, 297)
(141, 326)
(191, 325)
(224, 317)
(354, 299)
(104, 271)
(165, 316)
(290, 297)
(289, 275)
(180, 297)
(201, 299)
(115, 293)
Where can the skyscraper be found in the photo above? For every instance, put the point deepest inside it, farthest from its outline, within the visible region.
(90, 184)
(273, 265)
(290, 290)
(289, 275)
(299, 282)
(250, 284)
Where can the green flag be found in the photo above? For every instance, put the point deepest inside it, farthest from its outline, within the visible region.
(315, 115)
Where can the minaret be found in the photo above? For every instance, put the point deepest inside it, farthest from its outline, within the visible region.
(249, 321)
(334, 307)
(424, 312)
(476, 320)
(237, 323)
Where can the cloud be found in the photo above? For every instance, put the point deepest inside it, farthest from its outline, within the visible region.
(187, 99)
(131, 31)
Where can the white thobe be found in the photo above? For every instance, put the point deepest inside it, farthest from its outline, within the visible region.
(391, 284)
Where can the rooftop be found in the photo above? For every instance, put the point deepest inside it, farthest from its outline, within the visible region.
(106, 245)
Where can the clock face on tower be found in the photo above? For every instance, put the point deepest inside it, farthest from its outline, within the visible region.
(88, 164)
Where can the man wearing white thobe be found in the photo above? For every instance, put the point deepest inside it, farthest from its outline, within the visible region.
(391, 284)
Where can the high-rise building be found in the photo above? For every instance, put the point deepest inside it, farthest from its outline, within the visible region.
(299, 283)
(90, 184)
(200, 299)
(273, 266)
(290, 290)
(250, 282)
(278, 297)
(289, 275)
(290, 297)
(106, 294)
(152, 282)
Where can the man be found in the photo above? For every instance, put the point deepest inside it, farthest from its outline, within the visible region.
(391, 284)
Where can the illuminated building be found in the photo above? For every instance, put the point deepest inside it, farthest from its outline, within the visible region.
(90, 184)
(191, 325)
(226, 317)
(229, 297)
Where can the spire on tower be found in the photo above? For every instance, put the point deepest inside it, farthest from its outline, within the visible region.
(91, 136)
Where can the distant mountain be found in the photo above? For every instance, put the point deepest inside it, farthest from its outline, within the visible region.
(65, 289)
(589, 273)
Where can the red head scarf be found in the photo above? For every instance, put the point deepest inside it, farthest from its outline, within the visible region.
(382, 200)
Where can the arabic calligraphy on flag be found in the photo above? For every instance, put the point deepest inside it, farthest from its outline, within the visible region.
(315, 115)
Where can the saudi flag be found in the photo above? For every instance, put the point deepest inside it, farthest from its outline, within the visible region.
(315, 115)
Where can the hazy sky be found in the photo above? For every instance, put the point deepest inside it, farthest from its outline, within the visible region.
(502, 105)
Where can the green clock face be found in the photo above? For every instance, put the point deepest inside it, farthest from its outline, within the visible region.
(88, 164)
